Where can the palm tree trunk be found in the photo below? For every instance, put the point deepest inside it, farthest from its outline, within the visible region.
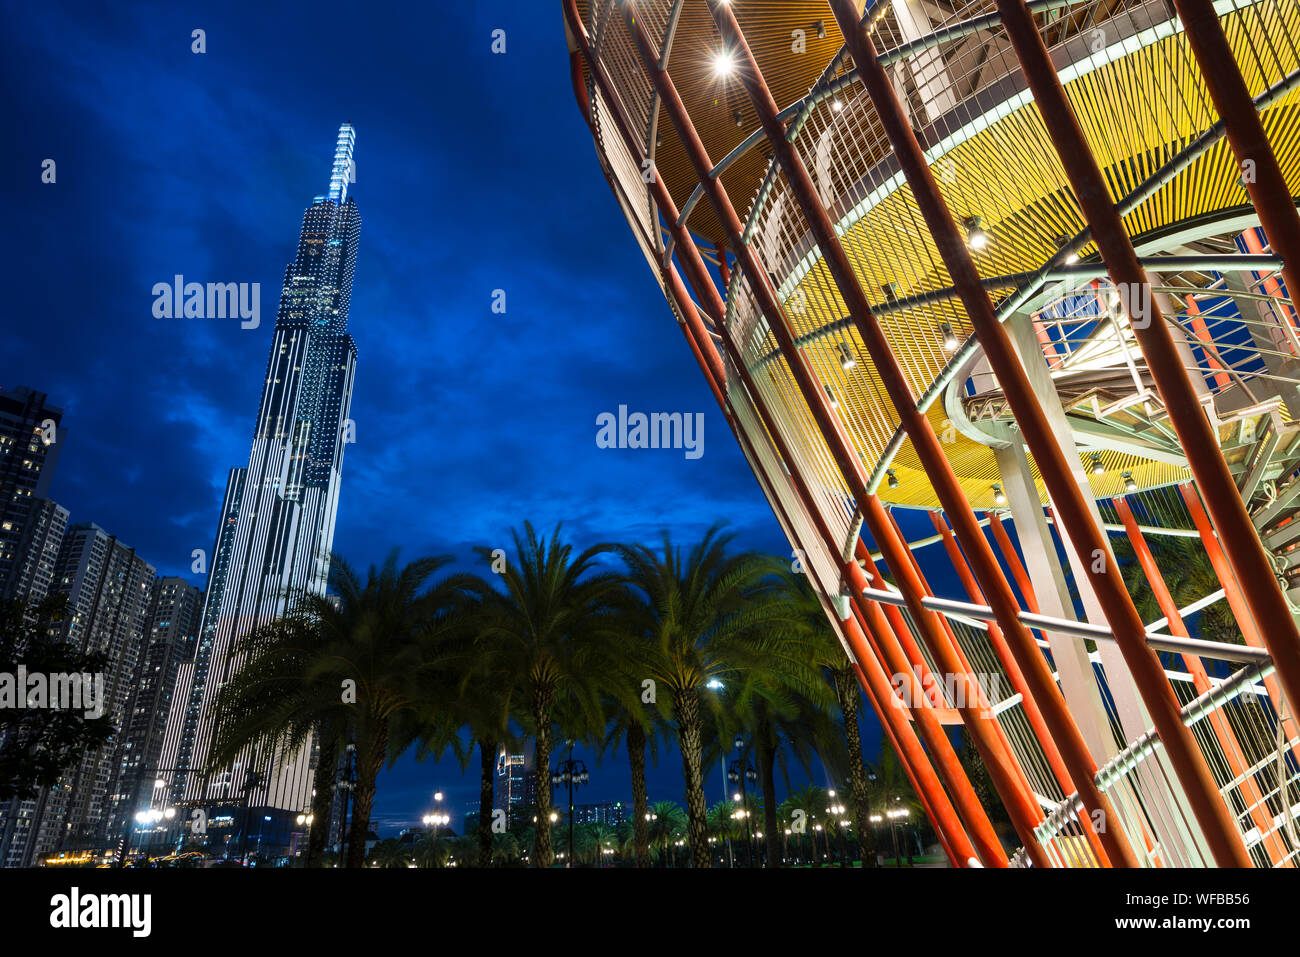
(686, 712)
(846, 689)
(322, 802)
(640, 803)
(487, 750)
(767, 779)
(543, 696)
(370, 758)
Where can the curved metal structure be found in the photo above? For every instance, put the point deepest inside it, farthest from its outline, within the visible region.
(1027, 266)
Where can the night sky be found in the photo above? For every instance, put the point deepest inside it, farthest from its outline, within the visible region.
(475, 172)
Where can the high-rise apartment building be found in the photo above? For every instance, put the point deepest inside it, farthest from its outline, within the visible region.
(276, 526)
(173, 626)
(109, 590)
(31, 526)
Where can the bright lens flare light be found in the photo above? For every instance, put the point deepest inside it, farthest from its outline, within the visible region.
(724, 63)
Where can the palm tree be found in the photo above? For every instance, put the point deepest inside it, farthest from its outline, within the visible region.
(634, 722)
(390, 853)
(806, 810)
(667, 825)
(830, 656)
(710, 617)
(347, 664)
(541, 630)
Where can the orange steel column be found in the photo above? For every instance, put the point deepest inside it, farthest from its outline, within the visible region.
(1250, 630)
(953, 857)
(703, 285)
(914, 422)
(889, 652)
(999, 642)
(1022, 809)
(965, 663)
(1244, 131)
(1088, 540)
(891, 710)
(1202, 332)
(1198, 438)
(1014, 563)
(1223, 732)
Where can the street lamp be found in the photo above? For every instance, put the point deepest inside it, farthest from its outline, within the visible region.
(739, 773)
(570, 772)
(836, 812)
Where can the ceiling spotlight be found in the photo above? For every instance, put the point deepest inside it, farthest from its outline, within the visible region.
(890, 289)
(846, 357)
(1130, 486)
(724, 63)
(976, 237)
(821, 29)
(1072, 257)
(738, 118)
(830, 394)
(836, 105)
(950, 341)
(1097, 467)
(999, 497)
(893, 479)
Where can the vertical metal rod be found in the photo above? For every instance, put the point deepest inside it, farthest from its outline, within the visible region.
(1199, 440)
(1087, 538)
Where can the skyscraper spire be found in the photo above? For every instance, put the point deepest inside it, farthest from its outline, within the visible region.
(342, 173)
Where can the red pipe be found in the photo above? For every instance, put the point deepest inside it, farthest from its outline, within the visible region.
(953, 858)
(1087, 538)
(1250, 631)
(1024, 811)
(1221, 378)
(984, 704)
(723, 269)
(914, 422)
(704, 288)
(1014, 563)
(1244, 131)
(1223, 732)
(1032, 712)
(1199, 440)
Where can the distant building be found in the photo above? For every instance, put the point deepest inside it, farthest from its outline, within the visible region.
(611, 813)
(174, 614)
(516, 783)
(109, 590)
(31, 527)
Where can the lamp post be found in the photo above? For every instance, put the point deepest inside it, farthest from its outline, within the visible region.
(571, 772)
(738, 772)
(346, 784)
(124, 845)
(438, 818)
(836, 812)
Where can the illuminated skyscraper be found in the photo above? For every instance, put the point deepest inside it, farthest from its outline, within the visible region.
(277, 520)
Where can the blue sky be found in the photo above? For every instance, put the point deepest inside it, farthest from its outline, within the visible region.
(475, 172)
